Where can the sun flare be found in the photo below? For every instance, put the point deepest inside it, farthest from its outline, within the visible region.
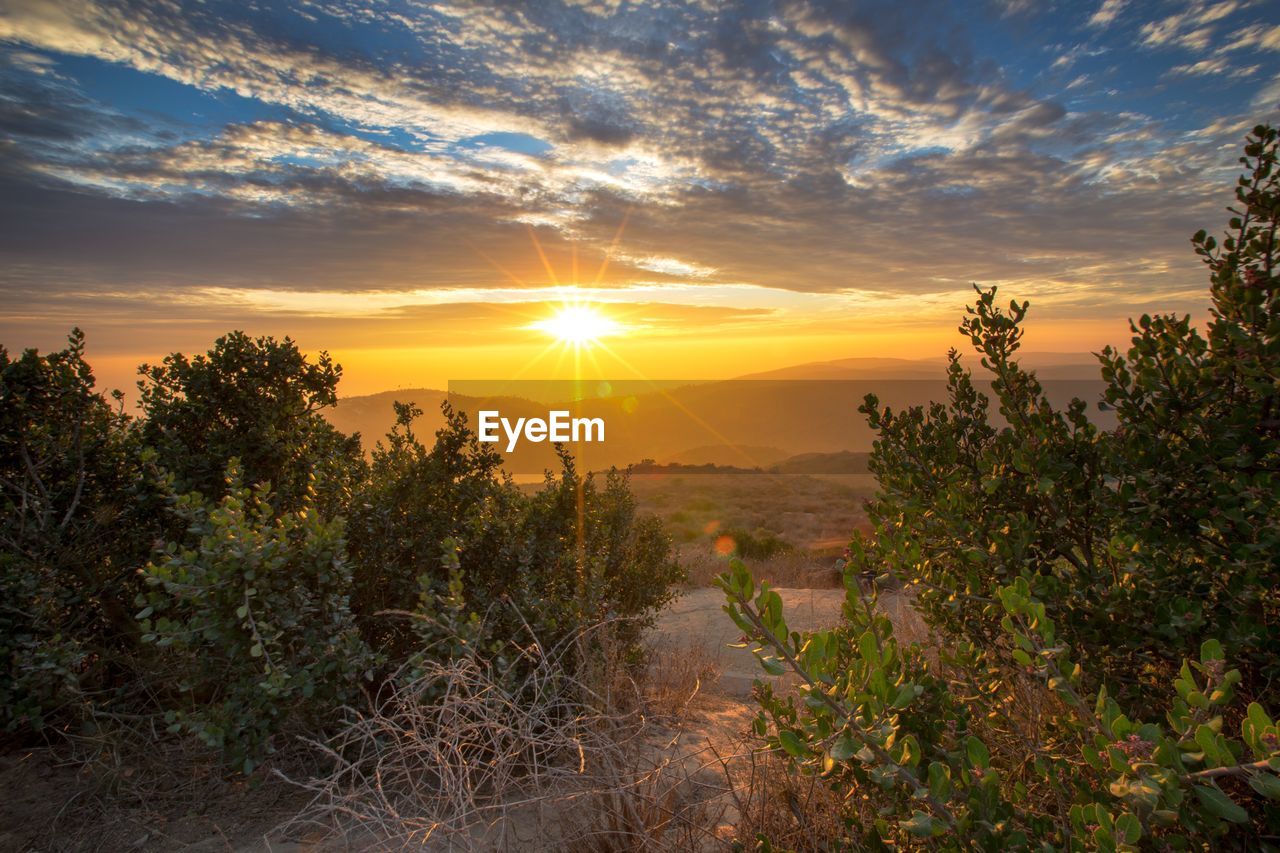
(578, 325)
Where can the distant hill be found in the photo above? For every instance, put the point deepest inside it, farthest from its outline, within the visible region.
(858, 368)
(805, 416)
(742, 456)
(1047, 365)
(373, 416)
(844, 462)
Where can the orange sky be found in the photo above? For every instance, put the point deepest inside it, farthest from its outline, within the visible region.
(505, 346)
(415, 335)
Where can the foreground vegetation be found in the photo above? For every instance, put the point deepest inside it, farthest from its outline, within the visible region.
(1105, 626)
(232, 566)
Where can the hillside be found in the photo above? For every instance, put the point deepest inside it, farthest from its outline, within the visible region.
(757, 421)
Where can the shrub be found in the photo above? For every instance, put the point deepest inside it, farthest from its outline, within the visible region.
(591, 558)
(237, 614)
(257, 400)
(415, 499)
(1139, 540)
(441, 530)
(253, 620)
(873, 717)
(74, 528)
(758, 545)
(1052, 561)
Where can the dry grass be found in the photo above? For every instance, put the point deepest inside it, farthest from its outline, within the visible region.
(797, 569)
(678, 674)
(542, 753)
(794, 811)
(466, 756)
(808, 512)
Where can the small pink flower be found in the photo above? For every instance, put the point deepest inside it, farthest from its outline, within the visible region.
(1137, 748)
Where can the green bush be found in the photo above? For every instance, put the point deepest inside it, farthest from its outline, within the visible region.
(586, 555)
(414, 501)
(443, 527)
(251, 617)
(1084, 588)
(757, 545)
(257, 400)
(231, 563)
(1139, 540)
(74, 527)
(874, 718)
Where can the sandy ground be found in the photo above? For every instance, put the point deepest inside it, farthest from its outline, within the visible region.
(695, 622)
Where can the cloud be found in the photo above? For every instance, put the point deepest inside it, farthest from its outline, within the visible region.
(774, 151)
(1255, 37)
(1214, 66)
(1107, 13)
(1191, 28)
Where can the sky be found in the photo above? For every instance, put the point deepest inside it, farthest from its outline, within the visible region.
(419, 187)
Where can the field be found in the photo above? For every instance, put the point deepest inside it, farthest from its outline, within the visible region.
(802, 522)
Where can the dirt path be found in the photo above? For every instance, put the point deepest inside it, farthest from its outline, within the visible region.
(696, 624)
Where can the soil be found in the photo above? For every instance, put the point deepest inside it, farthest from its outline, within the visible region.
(49, 801)
(696, 619)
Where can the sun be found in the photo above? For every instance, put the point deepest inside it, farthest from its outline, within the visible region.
(579, 325)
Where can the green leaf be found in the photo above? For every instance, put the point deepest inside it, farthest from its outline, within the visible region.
(979, 755)
(910, 751)
(1128, 828)
(1220, 805)
(1211, 650)
(1255, 723)
(844, 748)
(867, 648)
(939, 781)
(771, 664)
(1207, 740)
(906, 694)
(738, 619)
(920, 824)
(1265, 784)
(792, 744)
